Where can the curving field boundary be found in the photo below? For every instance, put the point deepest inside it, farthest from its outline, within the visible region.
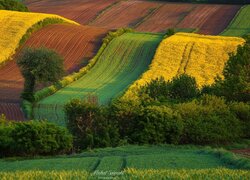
(122, 62)
(15, 25)
(200, 56)
(240, 25)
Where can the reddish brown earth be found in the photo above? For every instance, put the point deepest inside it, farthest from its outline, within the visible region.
(167, 16)
(142, 15)
(207, 18)
(81, 11)
(77, 44)
(243, 152)
(125, 14)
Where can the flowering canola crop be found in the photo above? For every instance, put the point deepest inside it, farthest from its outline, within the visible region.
(14, 25)
(200, 56)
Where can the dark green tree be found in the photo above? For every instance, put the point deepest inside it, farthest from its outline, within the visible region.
(39, 65)
(236, 83)
(13, 5)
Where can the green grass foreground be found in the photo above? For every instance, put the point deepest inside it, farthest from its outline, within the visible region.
(130, 174)
(136, 157)
(122, 62)
(240, 25)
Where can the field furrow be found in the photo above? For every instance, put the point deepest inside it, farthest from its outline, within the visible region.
(122, 62)
(240, 25)
(77, 44)
(200, 56)
(124, 14)
(81, 11)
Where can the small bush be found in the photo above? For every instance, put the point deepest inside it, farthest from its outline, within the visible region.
(242, 112)
(209, 121)
(159, 124)
(90, 126)
(179, 89)
(33, 138)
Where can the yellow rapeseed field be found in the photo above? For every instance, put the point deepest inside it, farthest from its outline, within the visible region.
(13, 25)
(200, 56)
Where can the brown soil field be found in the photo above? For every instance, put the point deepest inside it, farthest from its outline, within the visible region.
(243, 152)
(167, 16)
(81, 11)
(125, 14)
(12, 111)
(142, 15)
(77, 44)
(206, 18)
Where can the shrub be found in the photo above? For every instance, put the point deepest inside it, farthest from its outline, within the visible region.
(179, 89)
(183, 87)
(242, 112)
(158, 124)
(34, 138)
(90, 126)
(13, 5)
(209, 121)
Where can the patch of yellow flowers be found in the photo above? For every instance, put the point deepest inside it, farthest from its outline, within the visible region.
(14, 25)
(200, 56)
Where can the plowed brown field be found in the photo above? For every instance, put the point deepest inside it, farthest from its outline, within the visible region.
(209, 19)
(145, 16)
(125, 14)
(81, 11)
(206, 18)
(77, 44)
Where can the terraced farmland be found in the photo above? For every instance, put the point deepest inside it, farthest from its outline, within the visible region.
(14, 26)
(200, 56)
(81, 11)
(77, 44)
(240, 25)
(122, 62)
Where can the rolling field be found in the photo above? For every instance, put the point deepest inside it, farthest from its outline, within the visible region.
(200, 56)
(81, 11)
(14, 26)
(205, 18)
(120, 158)
(240, 25)
(121, 63)
(77, 44)
(144, 16)
(126, 13)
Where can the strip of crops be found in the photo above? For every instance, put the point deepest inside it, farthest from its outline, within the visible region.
(241, 23)
(130, 174)
(138, 157)
(14, 25)
(202, 57)
(122, 62)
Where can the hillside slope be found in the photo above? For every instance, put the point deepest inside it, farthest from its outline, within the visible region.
(121, 63)
(77, 44)
(14, 25)
(200, 56)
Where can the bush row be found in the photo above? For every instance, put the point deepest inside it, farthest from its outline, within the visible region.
(33, 138)
(206, 120)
